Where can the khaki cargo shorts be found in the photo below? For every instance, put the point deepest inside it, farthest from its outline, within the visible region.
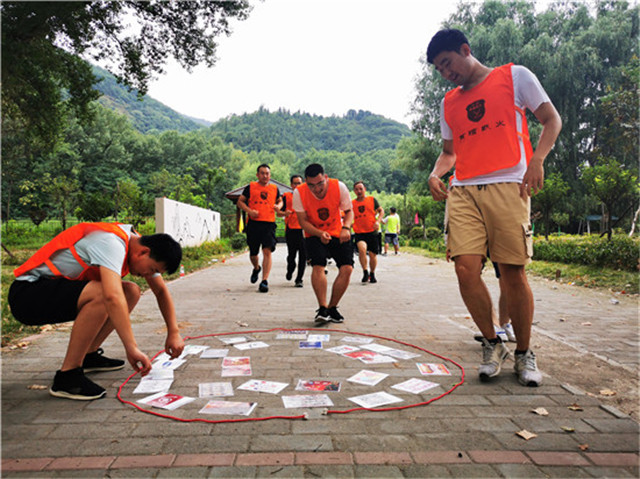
(490, 217)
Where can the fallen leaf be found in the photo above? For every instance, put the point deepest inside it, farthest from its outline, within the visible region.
(567, 429)
(575, 407)
(241, 324)
(23, 344)
(583, 447)
(607, 392)
(46, 327)
(526, 435)
(540, 411)
(36, 386)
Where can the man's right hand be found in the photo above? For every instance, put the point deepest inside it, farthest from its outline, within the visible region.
(325, 237)
(438, 188)
(138, 360)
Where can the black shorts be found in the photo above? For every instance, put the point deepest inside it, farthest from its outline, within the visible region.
(372, 239)
(260, 234)
(46, 301)
(318, 252)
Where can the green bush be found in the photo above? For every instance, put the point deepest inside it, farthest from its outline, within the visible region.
(238, 241)
(416, 233)
(619, 253)
(432, 233)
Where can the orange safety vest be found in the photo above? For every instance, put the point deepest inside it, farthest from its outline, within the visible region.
(364, 215)
(67, 240)
(291, 221)
(263, 199)
(324, 214)
(483, 121)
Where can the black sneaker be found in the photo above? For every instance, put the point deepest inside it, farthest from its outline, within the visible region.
(365, 276)
(289, 275)
(96, 362)
(336, 317)
(372, 278)
(298, 283)
(264, 286)
(322, 316)
(73, 384)
(254, 274)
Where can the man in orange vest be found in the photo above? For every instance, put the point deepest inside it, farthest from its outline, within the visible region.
(485, 135)
(319, 203)
(261, 200)
(366, 222)
(293, 235)
(77, 277)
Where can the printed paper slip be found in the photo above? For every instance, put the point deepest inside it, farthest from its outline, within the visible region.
(148, 386)
(387, 351)
(229, 407)
(415, 385)
(311, 385)
(243, 370)
(343, 349)
(297, 334)
(232, 339)
(192, 349)
(433, 369)
(316, 400)
(215, 390)
(236, 361)
(214, 353)
(368, 378)
(310, 345)
(169, 364)
(375, 399)
(370, 357)
(165, 400)
(251, 345)
(261, 386)
(357, 340)
(323, 338)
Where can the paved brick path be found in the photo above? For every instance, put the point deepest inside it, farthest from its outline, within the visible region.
(468, 433)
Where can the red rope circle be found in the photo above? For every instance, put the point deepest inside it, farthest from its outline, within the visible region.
(302, 416)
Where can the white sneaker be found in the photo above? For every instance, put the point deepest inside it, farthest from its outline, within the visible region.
(527, 370)
(501, 333)
(493, 355)
(508, 329)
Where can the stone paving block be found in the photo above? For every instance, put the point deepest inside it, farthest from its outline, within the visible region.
(163, 427)
(43, 448)
(611, 472)
(456, 440)
(334, 425)
(143, 461)
(420, 471)
(330, 471)
(373, 471)
(519, 470)
(27, 464)
(323, 458)
(551, 458)
(280, 471)
(195, 460)
(544, 442)
(382, 458)
(614, 425)
(112, 431)
(619, 459)
(183, 472)
(232, 472)
(78, 463)
(313, 443)
(529, 400)
(265, 459)
(498, 457)
(32, 431)
(134, 472)
(440, 457)
(540, 424)
(204, 444)
(562, 472)
(622, 442)
(472, 470)
(613, 411)
(498, 424)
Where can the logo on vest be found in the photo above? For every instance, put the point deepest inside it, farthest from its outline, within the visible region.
(475, 110)
(264, 195)
(323, 214)
(360, 209)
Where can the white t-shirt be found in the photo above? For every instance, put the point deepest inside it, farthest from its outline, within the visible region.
(528, 93)
(345, 199)
(99, 248)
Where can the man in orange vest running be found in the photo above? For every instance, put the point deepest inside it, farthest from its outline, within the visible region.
(485, 135)
(319, 203)
(77, 277)
(293, 235)
(366, 222)
(261, 200)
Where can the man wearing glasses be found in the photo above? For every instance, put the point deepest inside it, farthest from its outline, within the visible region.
(323, 206)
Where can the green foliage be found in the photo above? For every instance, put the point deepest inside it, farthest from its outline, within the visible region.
(238, 241)
(433, 233)
(621, 252)
(94, 207)
(416, 233)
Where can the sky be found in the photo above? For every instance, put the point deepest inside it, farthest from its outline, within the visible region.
(322, 57)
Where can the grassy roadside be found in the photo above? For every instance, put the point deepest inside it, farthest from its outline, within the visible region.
(587, 276)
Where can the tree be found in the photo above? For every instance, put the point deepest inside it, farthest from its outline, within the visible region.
(548, 200)
(43, 75)
(614, 186)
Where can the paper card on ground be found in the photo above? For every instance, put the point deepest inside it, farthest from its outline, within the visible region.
(169, 364)
(399, 354)
(342, 349)
(357, 340)
(192, 349)
(232, 339)
(320, 385)
(317, 400)
(251, 345)
(231, 371)
(323, 338)
(261, 386)
(368, 378)
(214, 353)
(370, 357)
(378, 348)
(229, 407)
(415, 385)
(158, 373)
(433, 369)
(310, 345)
(236, 361)
(298, 334)
(375, 399)
(148, 386)
(166, 400)
(161, 358)
(215, 390)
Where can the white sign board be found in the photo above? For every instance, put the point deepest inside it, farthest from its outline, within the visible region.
(189, 225)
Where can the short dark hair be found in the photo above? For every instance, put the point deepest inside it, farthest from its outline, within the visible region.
(293, 177)
(163, 249)
(448, 40)
(358, 182)
(393, 209)
(263, 165)
(313, 170)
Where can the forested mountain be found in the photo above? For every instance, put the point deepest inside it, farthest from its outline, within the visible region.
(146, 114)
(356, 132)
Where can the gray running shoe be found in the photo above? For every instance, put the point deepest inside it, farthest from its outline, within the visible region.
(493, 355)
(501, 333)
(527, 370)
(508, 329)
